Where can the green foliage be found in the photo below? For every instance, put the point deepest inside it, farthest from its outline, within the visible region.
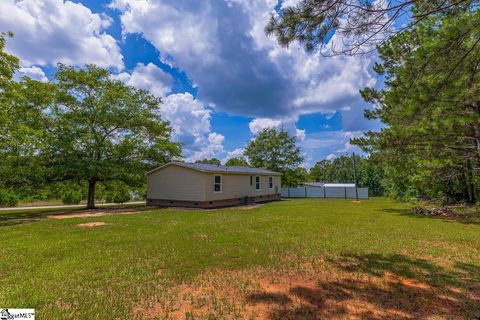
(103, 130)
(240, 162)
(370, 175)
(8, 63)
(119, 192)
(277, 151)
(209, 161)
(358, 23)
(341, 170)
(295, 177)
(71, 196)
(8, 199)
(140, 193)
(320, 171)
(121, 196)
(108, 196)
(22, 125)
(431, 105)
(84, 128)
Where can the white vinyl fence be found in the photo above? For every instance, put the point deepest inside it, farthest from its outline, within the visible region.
(326, 192)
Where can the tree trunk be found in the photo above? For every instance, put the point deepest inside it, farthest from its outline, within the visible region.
(470, 183)
(91, 193)
(476, 107)
(476, 167)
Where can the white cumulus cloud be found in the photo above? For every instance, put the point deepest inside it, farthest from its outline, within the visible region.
(32, 72)
(223, 48)
(258, 124)
(148, 77)
(236, 153)
(238, 69)
(52, 31)
(190, 121)
(287, 124)
(189, 117)
(331, 157)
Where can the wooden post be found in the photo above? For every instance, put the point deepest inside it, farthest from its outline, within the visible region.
(355, 176)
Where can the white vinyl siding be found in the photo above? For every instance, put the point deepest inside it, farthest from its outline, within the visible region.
(238, 186)
(177, 183)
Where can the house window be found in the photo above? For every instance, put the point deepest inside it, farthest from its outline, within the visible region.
(217, 184)
(270, 182)
(251, 180)
(257, 183)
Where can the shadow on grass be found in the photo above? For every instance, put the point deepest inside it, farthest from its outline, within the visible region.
(11, 219)
(266, 297)
(378, 286)
(16, 218)
(462, 219)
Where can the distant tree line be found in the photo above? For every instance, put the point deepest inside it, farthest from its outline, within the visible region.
(341, 170)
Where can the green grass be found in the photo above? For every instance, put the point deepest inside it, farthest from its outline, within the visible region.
(68, 272)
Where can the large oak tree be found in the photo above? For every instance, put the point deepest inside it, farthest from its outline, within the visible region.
(102, 130)
(276, 150)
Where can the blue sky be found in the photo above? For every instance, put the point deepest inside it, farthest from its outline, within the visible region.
(221, 78)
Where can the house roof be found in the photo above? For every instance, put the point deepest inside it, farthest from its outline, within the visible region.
(213, 168)
(322, 184)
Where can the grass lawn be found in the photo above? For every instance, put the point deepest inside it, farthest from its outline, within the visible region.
(294, 259)
(39, 212)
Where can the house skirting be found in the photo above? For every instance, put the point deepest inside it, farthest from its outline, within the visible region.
(213, 203)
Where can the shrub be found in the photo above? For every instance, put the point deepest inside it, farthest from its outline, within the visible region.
(121, 196)
(8, 199)
(71, 197)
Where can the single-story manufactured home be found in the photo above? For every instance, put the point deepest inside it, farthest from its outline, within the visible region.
(202, 185)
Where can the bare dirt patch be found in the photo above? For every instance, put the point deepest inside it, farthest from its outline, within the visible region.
(314, 292)
(93, 213)
(92, 224)
(78, 215)
(249, 207)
